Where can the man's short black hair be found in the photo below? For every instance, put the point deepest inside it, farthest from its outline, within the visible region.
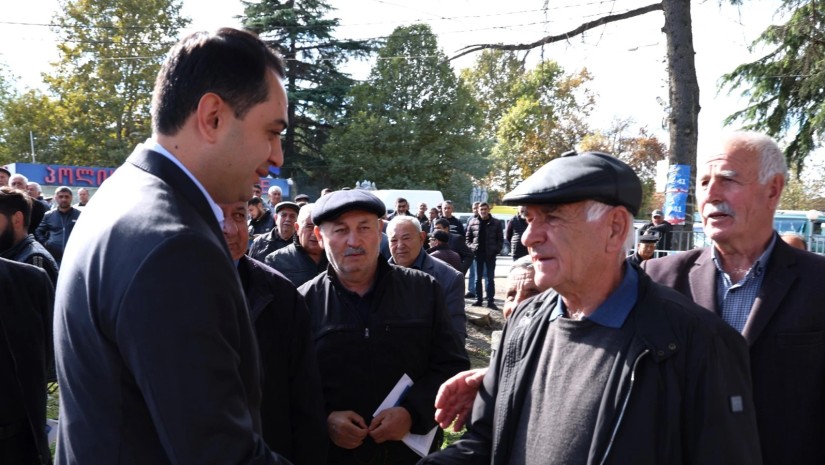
(442, 222)
(230, 63)
(400, 200)
(254, 201)
(14, 200)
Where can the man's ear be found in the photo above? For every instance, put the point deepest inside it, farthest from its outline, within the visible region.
(619, 225)
(17, 220)
(317, 231)
(210, 115)
(775, 187)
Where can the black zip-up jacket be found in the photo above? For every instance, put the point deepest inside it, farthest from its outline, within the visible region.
(407, 330)
(55, 229)
(680, 394)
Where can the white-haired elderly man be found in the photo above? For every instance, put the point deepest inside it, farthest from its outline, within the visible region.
(764, 288)
(605, 366)
(407, 249)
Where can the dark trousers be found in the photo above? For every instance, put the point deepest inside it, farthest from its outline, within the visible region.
(486, 264)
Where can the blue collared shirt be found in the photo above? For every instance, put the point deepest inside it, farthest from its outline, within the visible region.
(613, 312)
(736, 299)
(152, 144)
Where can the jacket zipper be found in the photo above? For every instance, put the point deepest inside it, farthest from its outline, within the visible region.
(624, 407)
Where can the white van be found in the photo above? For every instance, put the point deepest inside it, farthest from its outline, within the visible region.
(414, 198)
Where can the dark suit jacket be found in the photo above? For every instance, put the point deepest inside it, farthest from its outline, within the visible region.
(156, 354)
(459, 246)
(786, 334)
(25, 345)
(292, 411)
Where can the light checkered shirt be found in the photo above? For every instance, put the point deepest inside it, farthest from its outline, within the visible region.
(736, 300)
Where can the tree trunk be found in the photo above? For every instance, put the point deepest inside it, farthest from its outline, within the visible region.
(684, 93)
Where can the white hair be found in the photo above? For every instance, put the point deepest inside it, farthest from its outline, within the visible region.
(403, 219)
(19, 176)
(275, 189)
(771, 159)
(303, 213)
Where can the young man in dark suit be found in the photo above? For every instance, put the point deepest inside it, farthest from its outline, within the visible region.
(156, 354)
(765, 289)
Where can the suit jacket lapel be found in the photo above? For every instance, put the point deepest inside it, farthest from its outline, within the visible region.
(703, 281)
(158, 165)
(779, 276)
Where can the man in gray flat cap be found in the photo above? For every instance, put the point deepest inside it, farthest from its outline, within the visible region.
(373, 323)
(605, 367)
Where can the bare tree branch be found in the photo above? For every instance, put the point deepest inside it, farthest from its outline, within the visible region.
(550, 39)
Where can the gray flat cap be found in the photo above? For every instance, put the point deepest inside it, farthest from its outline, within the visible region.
(335, 204)
(287, 204)
(576, 177)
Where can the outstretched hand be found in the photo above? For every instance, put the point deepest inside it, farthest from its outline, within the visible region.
(455, 398)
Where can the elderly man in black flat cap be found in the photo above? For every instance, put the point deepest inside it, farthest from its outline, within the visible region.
(373, 323)
(605, 367)
(646, 248)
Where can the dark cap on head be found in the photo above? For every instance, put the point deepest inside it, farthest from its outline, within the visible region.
(441, 236)
(5, 170)
(287, 204)
(586, 176)
(302, 198)
(649, 237)
(336, 203)
(657, 213)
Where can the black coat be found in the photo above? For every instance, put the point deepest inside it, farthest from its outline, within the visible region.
(458, 244)
(667, 400)
(156, 353)
(296, 264)
(292, 413)
(493, 237)
(786, 334)
(55, 229)
(408, 331)
(32, 252)
(515, 229)
(25, 345)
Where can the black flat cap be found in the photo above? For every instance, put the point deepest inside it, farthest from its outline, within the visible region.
(335, 204)
(649, 237)
(287, 204)
(301, 198)
(576, 177)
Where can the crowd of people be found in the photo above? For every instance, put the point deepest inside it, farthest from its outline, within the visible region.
(203, 323)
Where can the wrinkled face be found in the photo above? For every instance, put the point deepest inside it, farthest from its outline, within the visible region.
(733, 204)
(405, 243)
(83, 196)
(646, 249)
(18, 182)
(306, 236)
(255, 211)
(33, 191)
(484, 211)
(352, 243)
(433, 214)
(520, 286)
(286, 222)
(422, 209)
(64, 200)
(401, 208)
(234, 228)
(562, 246)
(447, 209)
(275, 197)
(255, 143)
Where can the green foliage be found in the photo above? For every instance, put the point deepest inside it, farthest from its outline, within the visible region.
(33, 115)
(531, 116)
(785, 87)
(412, 125)
(302, 32)
(110, 51)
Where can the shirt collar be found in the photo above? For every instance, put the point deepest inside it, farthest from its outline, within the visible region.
(417, 264)
(613, 312)
(152, 144)
(758, 266)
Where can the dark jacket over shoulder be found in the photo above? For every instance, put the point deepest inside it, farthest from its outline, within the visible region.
(32, 252)
(296, 264)
(786, 334)
(55, 229)
(407, 331)
(267, 243)
(156, 353)
(292, 408)
(25, 343)
(679, 394)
